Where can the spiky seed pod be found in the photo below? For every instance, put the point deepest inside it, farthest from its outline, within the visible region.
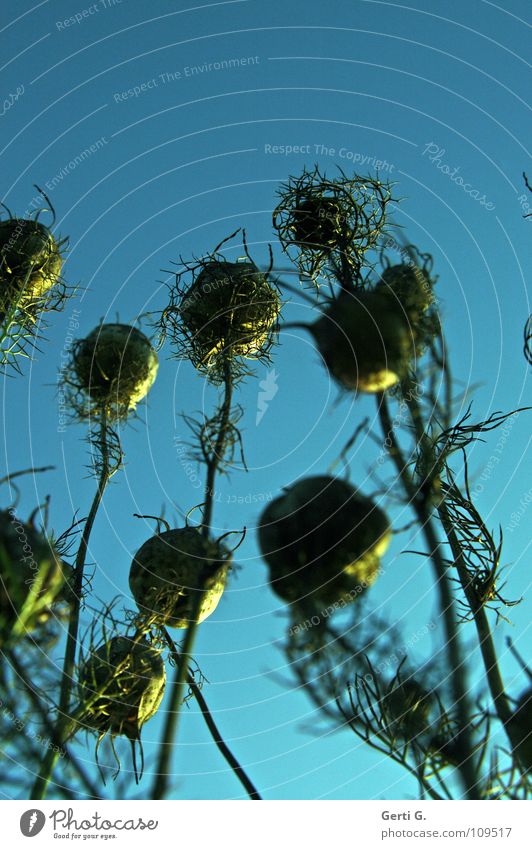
(30, 261)
(407, 709)
(121, 684)
(330, 222)
(230, 309)
(522, 724)
(114, 367)
(411, 286)
(365, 341)
(322, 540)
(317, 223)
(171, 568)
(32, 577)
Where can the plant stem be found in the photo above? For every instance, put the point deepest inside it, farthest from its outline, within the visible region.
(456, 661)
(246, 782)
(485, 639)
(19, 670)
(160, 784)
(63, 722)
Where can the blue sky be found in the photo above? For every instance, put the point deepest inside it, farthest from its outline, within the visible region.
(178, 163)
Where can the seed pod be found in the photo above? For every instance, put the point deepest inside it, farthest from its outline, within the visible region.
(122, 685)
(322, 539)
(115, 366)
(30, 261)
(365, 341)
(318, 223)
(411, 286)
(171, 568)
(32, 577)
(230, 308)
(407, 709)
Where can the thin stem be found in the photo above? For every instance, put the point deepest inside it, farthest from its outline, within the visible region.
(246, 782)
(160, 784)
(18, 668)
(455, 658)
(218, 453)
(485, 639)
(63, 722)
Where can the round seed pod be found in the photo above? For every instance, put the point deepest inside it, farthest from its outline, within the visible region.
(170, 569)
(115, 366)
(322, 539)
(317, 222)
(411, 286)
(122, 684)
(32, 577)
(231, 308)
(365, 341)
(30, 260)
(407, 709)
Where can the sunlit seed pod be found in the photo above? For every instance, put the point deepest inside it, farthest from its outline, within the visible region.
(407, 709)
(317, 223)
(365, 341)
(231, 308)
(121, 685)
(115, 366)
(30, 261)
(323, 540)
(32, 577)
(170, 570)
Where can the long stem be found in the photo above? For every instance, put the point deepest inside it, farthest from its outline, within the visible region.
(246, 782)
(160, 784)
(63, 722)
(18, 668)
(455, 657)
(485, 638)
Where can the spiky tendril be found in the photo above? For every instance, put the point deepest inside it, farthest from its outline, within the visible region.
(31, 261)
(221, 312)
(327, 225)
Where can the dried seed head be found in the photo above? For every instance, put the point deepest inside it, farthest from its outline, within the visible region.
(322, 539)
(30, 261)
(114, 367)
(171, 568)
(330, 222)
(230, 309)
(122, 685)
(317, 223)
(411, 286)
(365, 341)
(32, 577)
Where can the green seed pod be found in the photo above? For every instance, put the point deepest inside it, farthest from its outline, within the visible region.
(365, 341)
(30, 261)
(318, 223)
(230, 308)
(122, 685)
(407, 709)
(171, 568)
(32, 577)
(322, 539)
(115, 366)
